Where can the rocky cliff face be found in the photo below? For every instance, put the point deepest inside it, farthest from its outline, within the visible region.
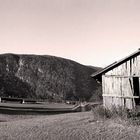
(45, 77)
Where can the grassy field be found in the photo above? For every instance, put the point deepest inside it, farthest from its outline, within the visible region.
(71, 126)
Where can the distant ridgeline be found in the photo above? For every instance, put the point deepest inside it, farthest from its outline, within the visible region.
(46, 77)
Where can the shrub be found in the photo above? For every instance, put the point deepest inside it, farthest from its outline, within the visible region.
(97, 95)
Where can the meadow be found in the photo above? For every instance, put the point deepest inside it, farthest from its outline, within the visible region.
(69, 126)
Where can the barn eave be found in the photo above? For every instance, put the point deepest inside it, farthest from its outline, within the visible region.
(98, 75)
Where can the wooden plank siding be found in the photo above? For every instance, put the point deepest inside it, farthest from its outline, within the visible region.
(128, 68)
(117, 84)
(117, 92)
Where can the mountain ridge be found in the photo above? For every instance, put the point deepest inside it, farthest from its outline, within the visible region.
(45, 77)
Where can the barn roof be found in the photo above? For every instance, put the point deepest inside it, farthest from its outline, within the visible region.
(115, 64)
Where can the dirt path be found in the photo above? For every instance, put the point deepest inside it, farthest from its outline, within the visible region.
(72, 126)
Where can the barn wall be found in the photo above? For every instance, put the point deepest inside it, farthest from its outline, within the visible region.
(117, 84)
(117, 92)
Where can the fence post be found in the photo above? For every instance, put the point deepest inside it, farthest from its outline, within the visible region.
(23, 101)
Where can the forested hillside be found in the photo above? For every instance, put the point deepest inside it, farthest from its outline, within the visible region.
(45, 77)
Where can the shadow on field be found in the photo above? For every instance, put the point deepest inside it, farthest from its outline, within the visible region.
(33, 112)
(39, 109)
(18, 109)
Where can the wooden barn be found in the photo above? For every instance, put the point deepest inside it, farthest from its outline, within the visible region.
(121, 82)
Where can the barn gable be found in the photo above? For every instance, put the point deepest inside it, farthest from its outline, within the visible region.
(121, 82)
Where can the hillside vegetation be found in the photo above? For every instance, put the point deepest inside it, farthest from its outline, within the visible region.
(45, 77)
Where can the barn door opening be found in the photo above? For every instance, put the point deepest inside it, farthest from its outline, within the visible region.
(136, 89)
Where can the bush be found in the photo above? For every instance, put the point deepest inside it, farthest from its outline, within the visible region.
(100, 112)
(97, 95)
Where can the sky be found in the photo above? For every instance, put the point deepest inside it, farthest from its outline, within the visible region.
(91, 32)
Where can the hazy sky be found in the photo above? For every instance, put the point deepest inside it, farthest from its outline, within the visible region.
(92, 32)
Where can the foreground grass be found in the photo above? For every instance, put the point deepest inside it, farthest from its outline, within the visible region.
(72, 126)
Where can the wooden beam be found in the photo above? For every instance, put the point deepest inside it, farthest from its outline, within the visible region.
(122, 76)
(117, 96)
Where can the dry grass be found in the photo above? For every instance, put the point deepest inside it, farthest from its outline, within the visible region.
(99, 124)
(131, 117)
(72, 126)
